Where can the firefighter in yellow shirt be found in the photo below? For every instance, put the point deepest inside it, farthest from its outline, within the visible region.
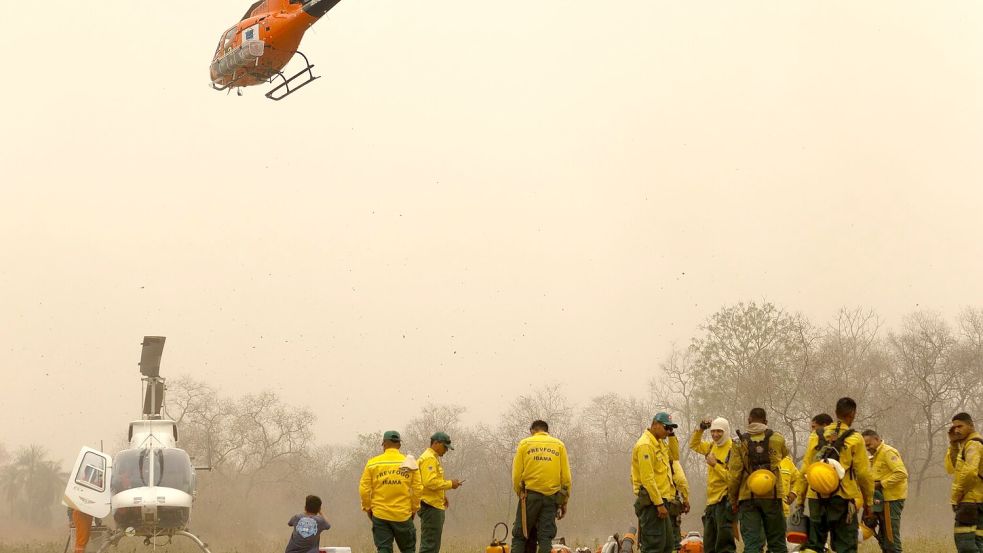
(962, 461)
(541, 479)
(890, 490)
(680, 506)
(818, 537)
(434, 501)
(790, 481)
(836, 512)
(390, 491)
(653, 486)
(718, 520)
(755, 487)
(682, 500)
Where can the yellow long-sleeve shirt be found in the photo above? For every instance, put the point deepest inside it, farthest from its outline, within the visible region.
(432, 477)
(887, 468)
(790, 480)
(541, 465)
(717, 475)
(390, 491)
(737, 488)
(672, 442)
(962, 461)
(858, 481)
(800, 486)
(650, 469)
(679, 480)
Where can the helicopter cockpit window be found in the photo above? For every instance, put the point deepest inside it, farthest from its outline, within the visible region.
(175, 470)
(126, 470)
(92, 472)
(171, 468)
(145, 467)
(226, 40)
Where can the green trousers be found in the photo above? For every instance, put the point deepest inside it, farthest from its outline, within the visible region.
(677, 532)
(718, 528)
(817, 537)
(431, 528)
(763, 522)
(887, 546)
(541, 516)
(655, 535)
(384, 532)
(968, 531)
(831, 517)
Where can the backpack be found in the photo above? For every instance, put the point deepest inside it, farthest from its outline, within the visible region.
(827, 450)
(831, 449)
(758, 454)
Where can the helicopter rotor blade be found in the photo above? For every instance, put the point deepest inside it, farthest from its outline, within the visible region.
(153, 349)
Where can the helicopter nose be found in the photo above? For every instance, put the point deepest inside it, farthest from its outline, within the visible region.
(148, 513)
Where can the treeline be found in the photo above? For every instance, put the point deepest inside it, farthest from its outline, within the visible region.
(31, 486)
(908, 381)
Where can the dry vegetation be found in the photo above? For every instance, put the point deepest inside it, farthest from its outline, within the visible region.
(908, 383)
(914, 546)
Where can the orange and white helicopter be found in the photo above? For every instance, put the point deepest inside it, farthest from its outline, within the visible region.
(149, 487)
(257, 48)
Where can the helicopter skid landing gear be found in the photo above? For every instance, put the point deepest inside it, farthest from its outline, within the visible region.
(194, 538)
(118, 535)
(305, 72)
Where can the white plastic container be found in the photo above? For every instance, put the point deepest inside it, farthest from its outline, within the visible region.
(335, 550)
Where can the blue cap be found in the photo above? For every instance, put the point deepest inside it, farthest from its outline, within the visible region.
(665, 419)
(443, 438)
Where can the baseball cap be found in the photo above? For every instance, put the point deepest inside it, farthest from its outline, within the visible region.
(443, 438)
(665, 419)
(391, 436)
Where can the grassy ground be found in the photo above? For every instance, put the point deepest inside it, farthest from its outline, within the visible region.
(912, 546)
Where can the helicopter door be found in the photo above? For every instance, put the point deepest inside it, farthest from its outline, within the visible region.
(88, 483)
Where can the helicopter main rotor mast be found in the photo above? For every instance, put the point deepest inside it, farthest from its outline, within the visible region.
(153, 349)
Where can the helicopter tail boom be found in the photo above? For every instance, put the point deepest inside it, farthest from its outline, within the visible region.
(317, 8)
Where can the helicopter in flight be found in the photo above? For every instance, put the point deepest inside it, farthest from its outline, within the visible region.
(255, 50)
(149, 487)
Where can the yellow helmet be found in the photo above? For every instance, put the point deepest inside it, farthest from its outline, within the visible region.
(822, 478)
(761, 482)
(866, 532)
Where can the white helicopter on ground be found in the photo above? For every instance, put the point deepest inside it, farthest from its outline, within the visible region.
(150, 486)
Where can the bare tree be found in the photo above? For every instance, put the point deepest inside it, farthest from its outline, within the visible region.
(852, 362)
(928, 382)
(432, 418)
(674, 388)
(753, 355)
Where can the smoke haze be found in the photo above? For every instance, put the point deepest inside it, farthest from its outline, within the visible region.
(477, 200)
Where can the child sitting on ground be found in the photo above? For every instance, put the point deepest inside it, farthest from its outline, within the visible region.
(308, 526)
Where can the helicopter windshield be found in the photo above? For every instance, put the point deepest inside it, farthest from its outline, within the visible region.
(171, 469)
(226, 41)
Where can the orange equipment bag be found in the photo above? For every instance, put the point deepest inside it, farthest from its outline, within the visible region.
(499, 545)
(691, 547)
(796, 529)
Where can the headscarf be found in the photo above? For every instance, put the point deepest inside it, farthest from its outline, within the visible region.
(721, 423)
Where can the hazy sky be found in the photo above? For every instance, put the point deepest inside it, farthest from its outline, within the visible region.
(476, 198)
